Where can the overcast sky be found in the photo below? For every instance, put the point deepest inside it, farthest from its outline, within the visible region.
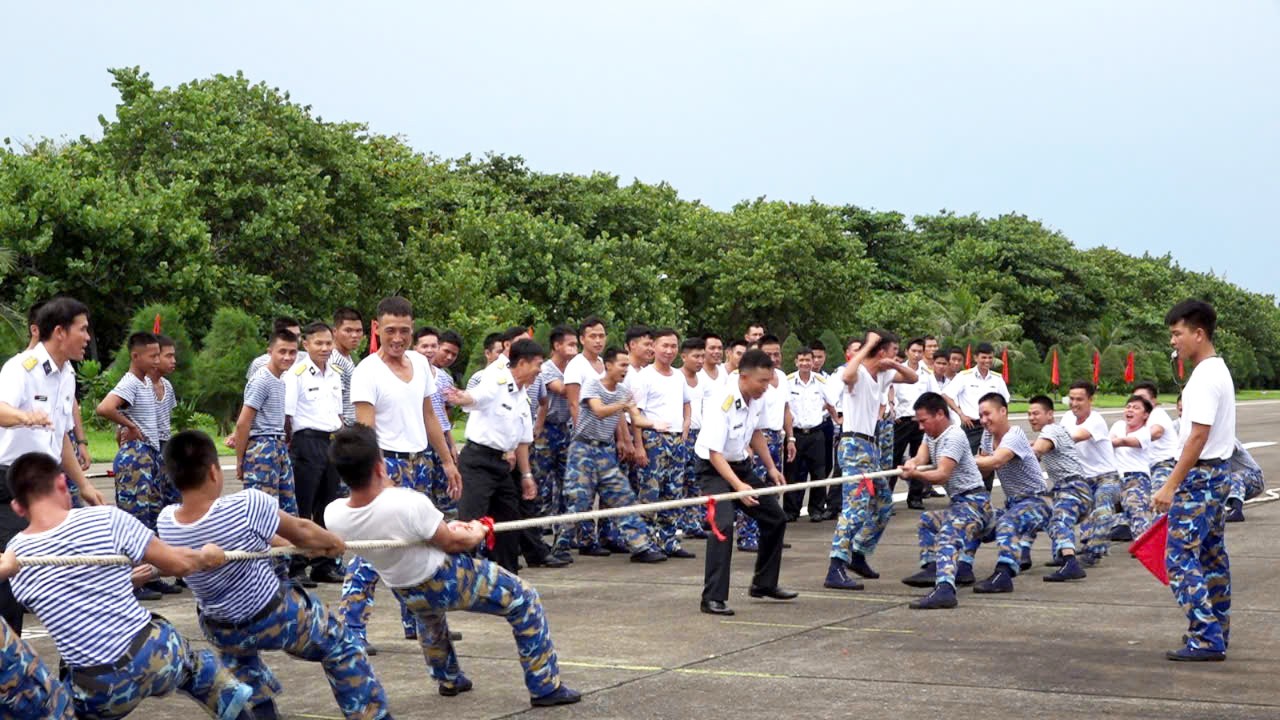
(1147, 126)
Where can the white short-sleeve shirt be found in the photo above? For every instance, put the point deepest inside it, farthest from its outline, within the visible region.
(728, 422)
(30, 381)
(661, 397)
(1131, 459)
(1209, 398)
(860, 405)
(1096, 454)
(313, 397)
(397, 404)
(1167, 446)
(395, 514)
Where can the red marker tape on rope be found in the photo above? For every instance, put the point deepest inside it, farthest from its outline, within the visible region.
(711, 520)
(489, 538)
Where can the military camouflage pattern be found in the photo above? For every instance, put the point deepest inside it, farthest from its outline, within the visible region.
(691, 520)
(865, 515)
(424, 472)
(944, 533)
(137, 470)
(593, 469)
(884, 443)
(1196, 556)
(163, 663)
(1103, 518)
(1072, 501)
(303, 628)
(745, 528)
(467, 583)
(267, 468)
(1021, 519)
(549, 457)
(1136, 500)
(1246, 485)
(28, 691)
(661, 480)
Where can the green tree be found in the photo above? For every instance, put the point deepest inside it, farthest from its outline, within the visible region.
(234, 340)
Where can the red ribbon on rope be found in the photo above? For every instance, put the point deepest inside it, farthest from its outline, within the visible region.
(489, 538)
(711, 520)
(866, 485)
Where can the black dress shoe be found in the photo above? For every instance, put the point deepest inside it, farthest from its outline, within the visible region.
(915, 504)
(594, 551)
(716, 607)
(164, 588)
(682, 554)
(550, 561)
(327, 574)
(775, 593)
(792, 517)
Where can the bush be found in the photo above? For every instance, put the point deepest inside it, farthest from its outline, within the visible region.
(172, 325)
(234, 340)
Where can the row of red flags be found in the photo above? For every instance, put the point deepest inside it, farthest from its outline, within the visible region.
(1054, 374)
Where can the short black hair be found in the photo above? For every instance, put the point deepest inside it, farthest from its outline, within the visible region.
(984, 349)
(452, 338)
(635, 332)
(756, 323)
(1146, 404)
(33, 312)
(347, 314)
(284, 323)
(424, 331)
(955, 351)
(1195, 314)
(941, 354)
(31, 476)
(283, 335)
(929, 337)
(59, 312)
(712, 336)
(994, 397)
(768, 340)
(931, 402)
(395, 306)
(886, 339)
(736, 342)
(492, 339)
(166, 341)
(1088, 387)
(590, 322)
(513, 332)
(612, 352)
(559, 333)
(755, 359)
(818, 345)
(1149, 387)
(318, 326)
(665, 332)
(915, 341)
(803, 350)
(1041, 400)
(692, 344)
(187, 457)
(141, 339)
(524, 349)
(354, 453)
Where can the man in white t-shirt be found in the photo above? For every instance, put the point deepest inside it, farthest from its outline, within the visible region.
(435, 573)
(692, 361)
(1132, 437)
(1098, 461)
(1165, 446)
(907, 435)
(661, 393)
(1195, 494)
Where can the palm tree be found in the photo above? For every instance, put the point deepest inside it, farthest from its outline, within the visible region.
(13, 323)
(1108, 331)
(962, 314)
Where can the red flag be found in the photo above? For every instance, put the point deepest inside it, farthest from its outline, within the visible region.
(373, 336)
(1149, 548)
(1097, 367)
(1181, 371)
(1053, 374)
(1004, 365)
(1128, 368)
(968, 363)
(155, 327)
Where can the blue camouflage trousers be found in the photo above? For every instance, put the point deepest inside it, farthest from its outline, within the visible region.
(168, 491)
(1136, 499)
(267, 467)
(548, 457)
(661, 480)
(28, 691)
(137, 469)
(1246, 485)
(475, 585)
(884, 443)
(424, 472)
(362, 578)
(593, 468)
(1072, 501)
(1023, 517)
(944, 534)
(1103, 518)
(744, 526)
(303, 628)
(692, 517)
(161, 662)
(1196, 556)
(864, 515)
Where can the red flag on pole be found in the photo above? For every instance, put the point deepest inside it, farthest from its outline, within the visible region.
(155, 327)
(1149, 548)
(968, 362)
(1004, 365)
(1097, 367)
(1128, 368)
(1181, 371)
(1053, 374)
(373, 336)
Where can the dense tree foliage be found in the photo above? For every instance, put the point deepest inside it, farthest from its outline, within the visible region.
(224, 195)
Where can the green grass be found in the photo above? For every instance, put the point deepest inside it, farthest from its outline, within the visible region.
(1108, 401)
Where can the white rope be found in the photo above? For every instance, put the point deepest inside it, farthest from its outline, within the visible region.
(507, 526)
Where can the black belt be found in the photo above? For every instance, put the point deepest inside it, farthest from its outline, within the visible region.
(86, 677)
(661, 432)
(1211, 462)
(267, 610)
(806, 431)
(399, 455)
(864, 436)
(267, 436)
(308, 432)
(485, 449)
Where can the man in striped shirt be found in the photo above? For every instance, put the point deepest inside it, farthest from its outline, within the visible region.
(348, 332)
(116, 653)
(446, 355)
(551, 446)
(244, 609)
(166, 401)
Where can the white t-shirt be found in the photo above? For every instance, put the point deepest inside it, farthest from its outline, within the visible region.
(397, 404)
(1131, 459)
(1167, 447)
(1096, 454)
(860, 405)
(1209, 398)
(579, 370)
(698, 394)
(775, 399)
(395, 514)
(661, 397)
(715, 382)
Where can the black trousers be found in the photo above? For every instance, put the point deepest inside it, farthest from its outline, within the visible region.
(10, 525)
(315, 482)
(531, 545)
(907, 437)
(810, 464)
(487, 489)
(768, 516)
(834, 496)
